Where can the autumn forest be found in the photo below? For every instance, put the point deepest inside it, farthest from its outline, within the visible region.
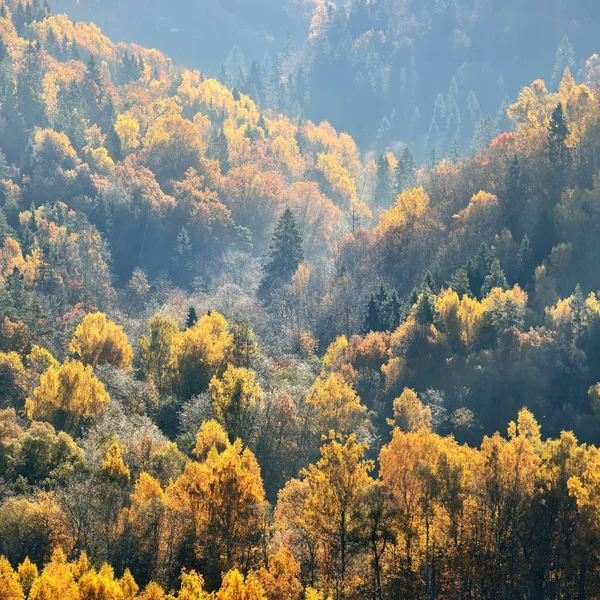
(303, 327)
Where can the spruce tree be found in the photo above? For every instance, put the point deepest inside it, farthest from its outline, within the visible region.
(394, 310)
(478, 269)
(525, 261)
(30, 88)
(183, 255)
(454, 155)
(4, 168)
(5, 229)
(558, 154)
(285, 254)
(425, 310)
(192, 318)
(429, 282)
(513, 198)
(405, 172)
(383, 188)
(565, 58)
(371, 321)
(494, 279)
(219, 150)
(459, 282)
(433, 160)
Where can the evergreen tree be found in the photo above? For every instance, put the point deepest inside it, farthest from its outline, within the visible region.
(429, 282)
(220, 150)
(405, 172)
(565, 59)
(5, 229)
(372, 320)
(425, 310)
(433, 159)
(526, 262)
(558, 154)
(4, 168)
(30, 88)
(19, 19)
(253, 86)
(381, 299)
(394, 311)
(513, 198)
(383, 188)
(285, 254)
(485, 131)
(192, 318)
(459, 282)
(478, 269)
(183, 255)
(454, 155)
(494, 279)
(413, 297)
(13, 130)
(92, 71)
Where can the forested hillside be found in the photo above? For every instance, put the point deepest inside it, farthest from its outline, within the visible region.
(390, 72)
(240, 359)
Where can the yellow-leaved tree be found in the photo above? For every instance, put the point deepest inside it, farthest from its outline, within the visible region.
(156, 349)
(235, 398)
(409, 412)
(280, 579)
(98, 341)
(10, 587)
(337, 406)
(57, 580)
(199, 353)
(220, 501)
(235, 587)
(68, 396)
(334, 508)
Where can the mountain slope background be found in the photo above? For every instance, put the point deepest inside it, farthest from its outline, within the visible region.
(389, 72)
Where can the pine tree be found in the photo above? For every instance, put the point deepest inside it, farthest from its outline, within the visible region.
(454, 155)
(433, 160)
(425, 311)
(371, 321)
(513, 198)
(485, 131)
(192, 318)
(285, 254)
(183, 254)
(565, 59)
(525, 261)
(383, 312)
(30, 88)
(220, 150)
(459, 282)
(381, 298)
(5, 229)
(394, 310)
(4, 168)
(429, 282)
(13, 129)
(478, 269)
(383, 189)
(405, 172)
(494, 279)
(93, 72)
(558, 154)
